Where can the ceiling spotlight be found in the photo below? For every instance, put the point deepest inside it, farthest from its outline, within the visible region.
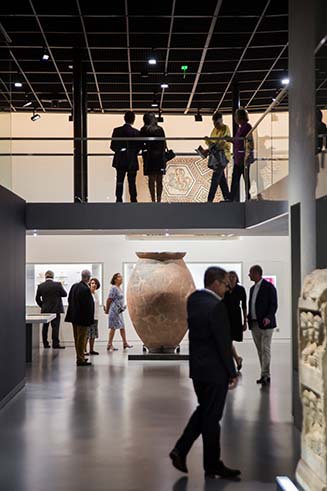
(154, 104)
(198, 117)
(164, 86)
(28, 101)
(18, 84)
(35, 116)
(160, 119)
(152, 58)
(285, 81)
(45, 55)
(144, 74)
(70, 67)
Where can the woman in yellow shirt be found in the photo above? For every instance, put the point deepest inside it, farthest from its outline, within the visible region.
(220, 130)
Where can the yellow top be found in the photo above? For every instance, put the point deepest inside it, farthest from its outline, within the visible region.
(221, 144)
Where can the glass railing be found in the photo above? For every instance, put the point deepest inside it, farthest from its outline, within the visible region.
(42, 169)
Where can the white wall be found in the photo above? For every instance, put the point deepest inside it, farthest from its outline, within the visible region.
(50, 179)
(113, 251)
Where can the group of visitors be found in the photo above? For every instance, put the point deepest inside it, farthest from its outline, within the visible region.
(126, 161)
(155, 156)
(214, 319)
(82, 312)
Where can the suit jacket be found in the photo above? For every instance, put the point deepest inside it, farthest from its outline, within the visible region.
(125, 151)
(210, 340)
(80, 305)
(49, 297)
(266, 305)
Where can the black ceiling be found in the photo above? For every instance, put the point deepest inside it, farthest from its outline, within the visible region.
(246, 44)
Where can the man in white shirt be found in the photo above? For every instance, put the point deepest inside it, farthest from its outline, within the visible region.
(262, 319)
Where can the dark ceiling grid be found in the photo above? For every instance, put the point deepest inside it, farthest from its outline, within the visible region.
(267, 75)
(89, 54)
(129, 58)
(50, 51)
(243, 54)
(187, 31)
(168, 50)
(204, 54)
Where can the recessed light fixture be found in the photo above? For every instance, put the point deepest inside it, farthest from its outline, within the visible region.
(70, 67)
(18, 84)
(45, 55)
(154, 104)
(152, 60)
(164, 86)
(285, 81)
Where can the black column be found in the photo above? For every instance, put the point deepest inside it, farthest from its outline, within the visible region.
(80, 129)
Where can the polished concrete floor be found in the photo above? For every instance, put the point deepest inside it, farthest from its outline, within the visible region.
(111, 426)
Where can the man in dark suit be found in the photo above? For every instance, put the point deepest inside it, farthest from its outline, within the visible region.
(212, 370)
(49, 298)
(125, 159)
(80, 313)
(262, 319)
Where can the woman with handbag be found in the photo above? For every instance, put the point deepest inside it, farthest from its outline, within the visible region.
(154, 156)
(219, 156)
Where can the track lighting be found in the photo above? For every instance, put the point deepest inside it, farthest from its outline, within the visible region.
(35, 116)
(285, 81)
(198, 117)
(28, 101)
(18, 84)
(164, 86)
(160, 119)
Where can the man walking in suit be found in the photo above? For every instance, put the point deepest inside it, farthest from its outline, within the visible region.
(125, 159)
(212, 370)
(49, 298)
(80, 313)
(262, 319)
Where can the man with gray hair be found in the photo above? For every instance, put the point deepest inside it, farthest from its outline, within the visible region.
(81, 314)
(49, 298)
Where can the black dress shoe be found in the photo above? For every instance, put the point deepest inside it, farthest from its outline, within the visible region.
(46, 346)
(58, 346)
(94, 353)
(263, 380)
(224, 472)
(178, 461)
(84, 364)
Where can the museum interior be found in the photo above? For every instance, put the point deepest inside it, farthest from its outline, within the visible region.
(70, 74)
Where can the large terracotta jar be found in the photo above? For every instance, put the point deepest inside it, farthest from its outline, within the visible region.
(156, 297)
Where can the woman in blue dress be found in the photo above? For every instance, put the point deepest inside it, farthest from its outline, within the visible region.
(115, 307)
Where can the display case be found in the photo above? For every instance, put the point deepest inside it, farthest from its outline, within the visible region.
(67, 274)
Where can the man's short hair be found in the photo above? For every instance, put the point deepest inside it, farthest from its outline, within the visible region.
(86, 275)
(129, 117)
(257, 269)
(212, 274)
(217, 115)
(49, 274)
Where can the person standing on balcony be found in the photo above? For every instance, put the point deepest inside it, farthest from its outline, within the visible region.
(218, 178)
(154, 156)
(125, 159)
(243, 155)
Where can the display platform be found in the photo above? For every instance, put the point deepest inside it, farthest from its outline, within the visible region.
(158, 357)
(33, 323)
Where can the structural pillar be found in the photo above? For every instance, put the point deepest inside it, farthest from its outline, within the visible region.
(80, 129)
